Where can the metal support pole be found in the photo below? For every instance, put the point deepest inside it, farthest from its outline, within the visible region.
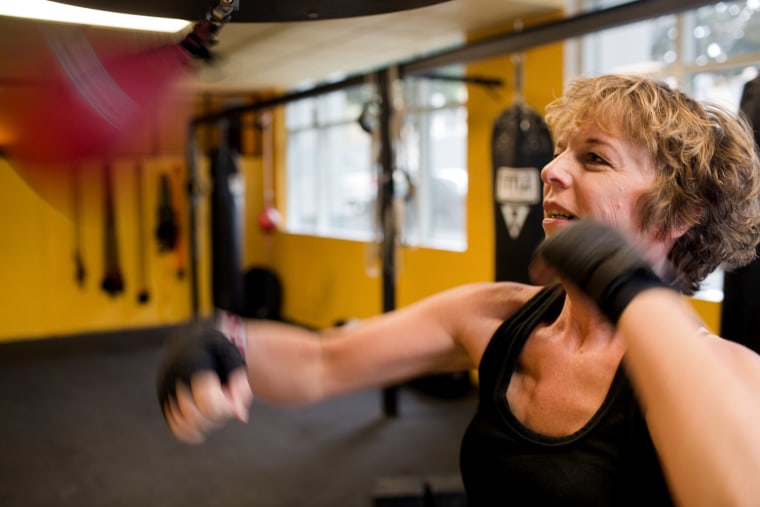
(385, 80)
(194, 195)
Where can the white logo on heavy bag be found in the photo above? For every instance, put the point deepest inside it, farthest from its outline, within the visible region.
(517, 189)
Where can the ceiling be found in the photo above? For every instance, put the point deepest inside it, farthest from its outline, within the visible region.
(283, 55)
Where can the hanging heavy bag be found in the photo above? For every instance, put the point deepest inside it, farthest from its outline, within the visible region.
(521, 145)
(226, 228)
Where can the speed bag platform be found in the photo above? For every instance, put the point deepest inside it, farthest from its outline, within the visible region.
(521, 144)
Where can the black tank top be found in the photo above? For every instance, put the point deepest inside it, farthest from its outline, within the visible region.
(611, 461)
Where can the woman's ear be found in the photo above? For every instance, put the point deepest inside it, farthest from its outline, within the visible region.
(678, 230)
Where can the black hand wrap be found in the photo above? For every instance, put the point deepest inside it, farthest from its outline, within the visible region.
(203, 348)
(602, 263)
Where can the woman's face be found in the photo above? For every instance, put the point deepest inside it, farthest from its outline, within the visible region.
(599, 175)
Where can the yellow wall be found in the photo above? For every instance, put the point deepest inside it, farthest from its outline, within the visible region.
(709, 311)
(40, 296)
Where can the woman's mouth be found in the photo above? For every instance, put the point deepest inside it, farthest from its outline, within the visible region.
(559, 215)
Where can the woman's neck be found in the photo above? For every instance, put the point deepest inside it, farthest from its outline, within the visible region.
(580, 323)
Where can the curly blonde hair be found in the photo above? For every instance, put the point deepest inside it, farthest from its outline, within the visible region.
(706, 164)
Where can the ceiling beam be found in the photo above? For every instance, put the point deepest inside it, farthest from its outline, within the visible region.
(500, 45)
(567, 28)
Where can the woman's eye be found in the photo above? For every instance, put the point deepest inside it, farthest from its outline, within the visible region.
(594, 158)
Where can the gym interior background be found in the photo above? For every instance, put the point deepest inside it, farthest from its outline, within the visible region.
(324, 279)
(68, 344)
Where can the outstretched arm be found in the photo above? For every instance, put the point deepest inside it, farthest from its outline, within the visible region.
(701, 394)
(204, 381)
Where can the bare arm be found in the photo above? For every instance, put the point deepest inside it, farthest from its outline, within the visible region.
(702, 401)
(445, 332)
(287, 364)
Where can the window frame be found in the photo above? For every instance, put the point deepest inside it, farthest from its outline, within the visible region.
(412, 197)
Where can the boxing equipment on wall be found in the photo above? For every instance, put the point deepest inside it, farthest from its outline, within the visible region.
(113, 278)
(80, 272)
(143, 294)
(167, 230)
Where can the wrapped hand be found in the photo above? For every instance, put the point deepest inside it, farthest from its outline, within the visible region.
(600, 262)
(202, 382)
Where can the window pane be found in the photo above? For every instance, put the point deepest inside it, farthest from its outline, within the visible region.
(302, 203)
(435, 93)
(435, 144)
(351, 190)
(715, 33)
(342, 105)
(300, 114)
(722, 86)
(448, 164)
(614, 50)
(332, 173)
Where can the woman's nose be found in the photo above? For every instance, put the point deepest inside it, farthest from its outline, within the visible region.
(556, 171)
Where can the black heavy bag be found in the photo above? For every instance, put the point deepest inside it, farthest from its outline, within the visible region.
(741, 288)
(226, 230)
(521, 144)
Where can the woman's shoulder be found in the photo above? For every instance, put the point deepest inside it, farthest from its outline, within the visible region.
(495, 299)
(474, 311)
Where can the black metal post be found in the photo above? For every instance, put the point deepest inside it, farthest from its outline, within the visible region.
(387, 212)
(194, 195)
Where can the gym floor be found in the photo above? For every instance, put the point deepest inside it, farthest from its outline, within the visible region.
(81, 427)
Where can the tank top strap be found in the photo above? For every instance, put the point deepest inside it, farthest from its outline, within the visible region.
(504, 347)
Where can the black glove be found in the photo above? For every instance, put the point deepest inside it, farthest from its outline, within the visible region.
(601, 262)
(203, 348)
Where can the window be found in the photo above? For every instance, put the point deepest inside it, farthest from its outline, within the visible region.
(434, 158)
(330, 179)
(332, 168)
(709, 52)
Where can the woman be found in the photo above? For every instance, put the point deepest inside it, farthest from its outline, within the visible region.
(601, 390)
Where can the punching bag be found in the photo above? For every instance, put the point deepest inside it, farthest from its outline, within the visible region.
(741, 287)
(226, 229)
(95, 103)
(521, 144)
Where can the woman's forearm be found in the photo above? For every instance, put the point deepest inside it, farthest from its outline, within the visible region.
(284, 363)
